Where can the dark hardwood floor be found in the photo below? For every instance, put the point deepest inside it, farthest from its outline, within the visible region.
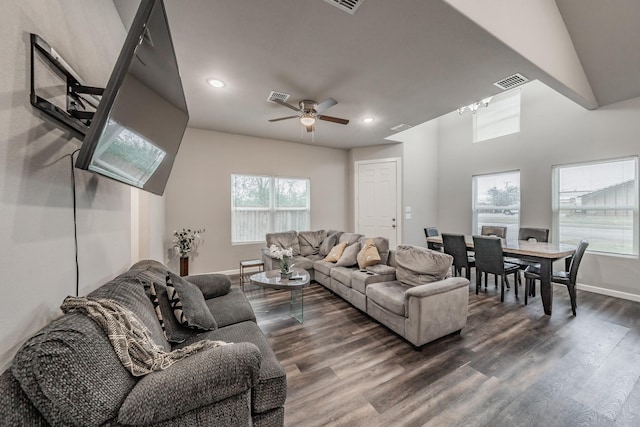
(510, 366)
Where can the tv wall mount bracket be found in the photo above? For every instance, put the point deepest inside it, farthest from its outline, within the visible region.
(81, 100)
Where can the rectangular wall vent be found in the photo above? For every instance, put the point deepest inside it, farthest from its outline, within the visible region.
(512, 81)
(349, 6)
(401, 127)
(278, 95)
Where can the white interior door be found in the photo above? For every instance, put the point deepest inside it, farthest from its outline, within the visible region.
(377, 200)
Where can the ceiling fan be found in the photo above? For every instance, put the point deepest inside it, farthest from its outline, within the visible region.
(310, 111)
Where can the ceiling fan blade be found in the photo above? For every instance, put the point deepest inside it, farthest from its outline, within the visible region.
(324, 105)
(333, 119)
(283, 118)
(309, 128)
(285, 104)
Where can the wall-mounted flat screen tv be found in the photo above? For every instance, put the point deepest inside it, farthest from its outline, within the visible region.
(138, 126)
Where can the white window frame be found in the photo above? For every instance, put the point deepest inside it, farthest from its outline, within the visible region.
(500, 118)
(272, 209)
(474, 203)
(634, 207)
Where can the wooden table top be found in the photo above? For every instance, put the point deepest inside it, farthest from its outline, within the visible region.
(524, 247)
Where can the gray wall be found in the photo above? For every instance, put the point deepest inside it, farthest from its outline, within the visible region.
(36, 231)
(554, 131)
(198, 194)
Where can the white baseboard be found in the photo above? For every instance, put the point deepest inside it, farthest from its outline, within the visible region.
(608, 292)
(227, 272)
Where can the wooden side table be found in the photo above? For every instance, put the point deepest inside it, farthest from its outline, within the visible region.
(257, 264)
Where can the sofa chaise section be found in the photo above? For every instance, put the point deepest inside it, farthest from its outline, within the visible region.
(69, 374)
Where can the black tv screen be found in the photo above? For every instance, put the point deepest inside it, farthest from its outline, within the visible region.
(140, 121)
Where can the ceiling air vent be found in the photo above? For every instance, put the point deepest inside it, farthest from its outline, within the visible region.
(401, 127)
(349, 6)
(512, 81)
(278, 95)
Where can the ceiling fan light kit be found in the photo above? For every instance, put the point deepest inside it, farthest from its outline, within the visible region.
(309, 112)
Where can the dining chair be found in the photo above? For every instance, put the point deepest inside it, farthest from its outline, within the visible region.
(455, 245)
(433, 232)
(497, 231)
(494, 230)
(490, 259)
(529, 234)
(567, 278)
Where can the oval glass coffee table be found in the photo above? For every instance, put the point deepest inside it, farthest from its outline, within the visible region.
(296, 284)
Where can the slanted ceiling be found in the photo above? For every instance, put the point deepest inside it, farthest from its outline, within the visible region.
(400, 62)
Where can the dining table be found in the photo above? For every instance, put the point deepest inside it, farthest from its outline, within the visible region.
(543, 253)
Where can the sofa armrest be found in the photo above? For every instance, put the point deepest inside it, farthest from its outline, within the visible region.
(198, 380)
(439, 287)
(211, 285)
(270, 263)
(436, 309)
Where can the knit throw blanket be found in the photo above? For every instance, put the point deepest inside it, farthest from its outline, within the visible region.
(131, 340)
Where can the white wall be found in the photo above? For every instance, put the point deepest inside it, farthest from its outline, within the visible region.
(554, 131)
(420, 181)
(198, 194)
(36, 227)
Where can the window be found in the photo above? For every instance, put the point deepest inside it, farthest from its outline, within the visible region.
(496, 201)
(598, 202)
(265, 204)
(501, 117)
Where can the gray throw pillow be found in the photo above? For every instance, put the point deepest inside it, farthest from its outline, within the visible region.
(188, 304)
(327, 244)
(417, 265)
(349, 256)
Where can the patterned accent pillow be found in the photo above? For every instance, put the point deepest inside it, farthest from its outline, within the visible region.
(156, 307)
(188, 304)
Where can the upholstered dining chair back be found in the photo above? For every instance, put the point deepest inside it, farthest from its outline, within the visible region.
(488, 254)
(494, 230)
(538, 234)
(431, 232)
(455, 245)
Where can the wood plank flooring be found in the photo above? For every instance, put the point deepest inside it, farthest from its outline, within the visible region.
(510, 366)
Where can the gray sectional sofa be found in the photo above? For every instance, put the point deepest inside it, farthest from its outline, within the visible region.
(69, 374)
(409, 290)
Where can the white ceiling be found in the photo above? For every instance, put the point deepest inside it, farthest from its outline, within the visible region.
(406, 61)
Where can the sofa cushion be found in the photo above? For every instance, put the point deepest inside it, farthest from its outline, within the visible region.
(310, 241)
(417, 265)
(389, 295)
(211, 285)
(327, 244)
(188, 303)
(305, 263)
(342, 275)
(350, 238)
(69, 361)
(196, 381)
(284, 240)
(383, 270)
(368, 255)
(231, 308)
(323, 267)
(349, 256)
(271, 390)
(335, 253)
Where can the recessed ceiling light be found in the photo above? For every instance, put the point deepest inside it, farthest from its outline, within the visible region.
(216, 83)
(368, 119)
